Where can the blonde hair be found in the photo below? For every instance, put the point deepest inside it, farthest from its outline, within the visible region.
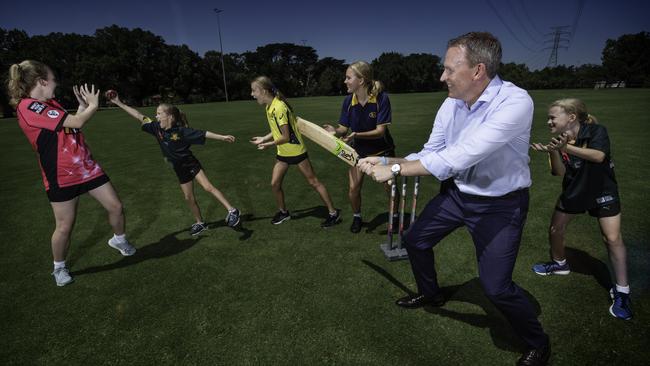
(363, 70)
(180, 119)
(265, 83)
(577, 107)
(23, 78)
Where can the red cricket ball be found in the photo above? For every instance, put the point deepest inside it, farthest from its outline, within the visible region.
(110, 94)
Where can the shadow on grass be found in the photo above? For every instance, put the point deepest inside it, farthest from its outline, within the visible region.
(582, 262)
(241, 228)
(471, 292)
(316, 211)
(381, 221)
(167, 246)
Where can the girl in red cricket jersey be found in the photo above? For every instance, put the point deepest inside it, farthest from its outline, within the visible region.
(67, 166)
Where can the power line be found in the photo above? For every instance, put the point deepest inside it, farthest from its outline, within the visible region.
(530, 21)
(521, 24)
(574, 27)
(508, 27)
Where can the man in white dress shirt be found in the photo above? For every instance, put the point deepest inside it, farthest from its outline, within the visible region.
(478, 149)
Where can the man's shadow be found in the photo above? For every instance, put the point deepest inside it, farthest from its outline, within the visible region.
(583, 263)
(167, 246)
(471, 292)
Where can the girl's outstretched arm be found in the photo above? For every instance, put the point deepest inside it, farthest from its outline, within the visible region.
(128, 109)
(259, 141)
(284, 130)
(216, 136)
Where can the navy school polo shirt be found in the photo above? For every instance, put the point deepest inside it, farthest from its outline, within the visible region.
(364, 118)
(175, 142)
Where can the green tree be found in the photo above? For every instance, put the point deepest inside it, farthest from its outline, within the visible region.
(389, 69)
(628, 58)
(329, 74)
(11, 44)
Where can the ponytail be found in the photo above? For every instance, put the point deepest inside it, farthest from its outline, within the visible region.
(577, 107)
(23, 78)
(591, 119)
(180, 119)
(265, 83)
(363, 70)
(377, 87)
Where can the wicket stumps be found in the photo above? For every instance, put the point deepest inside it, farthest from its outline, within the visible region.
(397, 252)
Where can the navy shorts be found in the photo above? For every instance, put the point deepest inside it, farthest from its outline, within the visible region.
(387, 153)
(187, 169)
(63, 194)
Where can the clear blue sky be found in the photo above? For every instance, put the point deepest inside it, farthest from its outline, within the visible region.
(347, 30)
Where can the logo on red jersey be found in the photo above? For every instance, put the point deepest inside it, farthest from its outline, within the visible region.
(52, 113)
(37, 107)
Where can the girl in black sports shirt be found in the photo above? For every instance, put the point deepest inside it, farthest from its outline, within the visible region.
(581, 154)
(175, 138)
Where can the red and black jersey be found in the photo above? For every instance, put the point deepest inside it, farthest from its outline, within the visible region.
(63, 156)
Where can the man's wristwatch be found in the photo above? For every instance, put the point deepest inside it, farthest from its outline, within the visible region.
(396, 169)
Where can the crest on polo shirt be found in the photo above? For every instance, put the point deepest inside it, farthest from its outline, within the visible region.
(37, 107)
(372, 114)
(174, 137)
(53, 113)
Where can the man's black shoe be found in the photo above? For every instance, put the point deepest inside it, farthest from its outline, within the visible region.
(418, 301)
(535, 357)
(356, 224)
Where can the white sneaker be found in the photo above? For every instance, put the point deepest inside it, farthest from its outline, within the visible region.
(125, 248)
(62, 276)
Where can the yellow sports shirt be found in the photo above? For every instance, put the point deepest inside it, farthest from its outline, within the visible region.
(278, 114)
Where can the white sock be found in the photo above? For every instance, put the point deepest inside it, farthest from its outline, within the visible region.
(58, 265)
(119, 238)
(358, 214)
(232, 210)
(623, 289)
(333, 213)
(562, 262)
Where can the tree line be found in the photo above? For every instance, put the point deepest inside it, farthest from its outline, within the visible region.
(146, 70)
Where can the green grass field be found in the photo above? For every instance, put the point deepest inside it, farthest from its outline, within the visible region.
(295, 294)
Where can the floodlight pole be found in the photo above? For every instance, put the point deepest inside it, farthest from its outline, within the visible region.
(223, 68)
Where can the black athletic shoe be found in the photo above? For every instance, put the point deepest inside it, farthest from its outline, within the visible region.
(198, 228)
(332, 219)
(233, 218)
(280, 217)
(356, 224)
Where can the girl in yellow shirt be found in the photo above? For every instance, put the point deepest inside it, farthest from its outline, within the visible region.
(290, 149)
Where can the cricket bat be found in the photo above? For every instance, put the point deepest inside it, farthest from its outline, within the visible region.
(327, 141)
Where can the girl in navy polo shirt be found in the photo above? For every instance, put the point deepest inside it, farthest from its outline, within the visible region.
(67, 166)
(364, 120)
(174, 136)
(581, 153)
